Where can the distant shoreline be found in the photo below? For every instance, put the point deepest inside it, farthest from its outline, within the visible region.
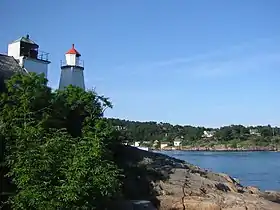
(203, 149)
(216, 150)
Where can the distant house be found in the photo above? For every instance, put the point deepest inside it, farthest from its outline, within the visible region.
(137, 143)
(119, 128)
(208, 134)
(163, 144)
(177, 143)
(254, 132)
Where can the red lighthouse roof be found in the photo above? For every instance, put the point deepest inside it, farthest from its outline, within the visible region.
(73, 51)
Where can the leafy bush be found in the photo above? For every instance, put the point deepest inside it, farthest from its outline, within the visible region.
(57, 146)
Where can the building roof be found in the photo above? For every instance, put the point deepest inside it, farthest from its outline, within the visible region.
(8, 66)
(26, 39)
(73, 51)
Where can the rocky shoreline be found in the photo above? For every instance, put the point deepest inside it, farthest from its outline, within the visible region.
(172, 184)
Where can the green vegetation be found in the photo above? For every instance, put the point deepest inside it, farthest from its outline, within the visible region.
(233, 136)
(57, 146)
(61, 153)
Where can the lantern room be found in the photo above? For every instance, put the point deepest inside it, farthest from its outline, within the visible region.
(27, 53)
(25, 47)
(72, 58)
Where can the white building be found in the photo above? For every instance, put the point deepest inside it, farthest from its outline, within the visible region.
(163, 144)
(137, 143)
(255, 132)
(177, 143)
(27, 54)
(72, 70)
(208, 134)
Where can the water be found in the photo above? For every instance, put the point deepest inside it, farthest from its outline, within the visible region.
(261, 169)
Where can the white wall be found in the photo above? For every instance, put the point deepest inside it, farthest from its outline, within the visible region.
(14, 50)
(37, 66)
(72, 60)
(177, 143)
(71, 76)
(137, 143)
(163, 145)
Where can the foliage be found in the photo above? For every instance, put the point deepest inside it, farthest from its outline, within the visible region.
(233, 135)
(57, 146)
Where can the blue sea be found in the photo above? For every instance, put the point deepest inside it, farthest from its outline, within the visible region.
(261, 169)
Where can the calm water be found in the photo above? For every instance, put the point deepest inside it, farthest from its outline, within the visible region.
(260, 169)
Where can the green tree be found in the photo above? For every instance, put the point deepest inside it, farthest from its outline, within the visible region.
(266, 131)
(57, 146)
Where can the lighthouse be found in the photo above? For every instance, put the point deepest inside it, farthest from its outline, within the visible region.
(26, 53)
(72, 70)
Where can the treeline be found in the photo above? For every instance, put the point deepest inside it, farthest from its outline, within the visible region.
(56, 147)
(190, 135)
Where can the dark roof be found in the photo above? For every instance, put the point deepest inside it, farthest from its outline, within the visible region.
(9, 66)
(26, 40)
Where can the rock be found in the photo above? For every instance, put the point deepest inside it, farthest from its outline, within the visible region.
(272, 196)
(252, 190)
(196, 205)
(226, 187)
(232, 187)
(158, 189)
(222, 187)
(227, 177)
(166, 181)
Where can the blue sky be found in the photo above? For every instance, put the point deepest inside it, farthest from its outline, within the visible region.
(198, 62)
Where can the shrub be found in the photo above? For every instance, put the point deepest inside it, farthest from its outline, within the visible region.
(57, 148)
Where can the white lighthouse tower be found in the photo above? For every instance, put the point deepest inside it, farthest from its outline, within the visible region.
(27, 53)
(72, 70)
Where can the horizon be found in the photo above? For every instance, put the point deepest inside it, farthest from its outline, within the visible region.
(199, 63)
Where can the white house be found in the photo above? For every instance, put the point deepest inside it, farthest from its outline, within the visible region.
(177, 143)
(208, 134)
(26, 53)
(137, 143)
(254, 132)
(119, 128)
(72, 70)
(163, 144)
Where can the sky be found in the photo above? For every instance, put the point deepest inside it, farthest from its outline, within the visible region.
(189, 62)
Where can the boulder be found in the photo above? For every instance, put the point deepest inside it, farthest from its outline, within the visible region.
(272, 196)
(252, 190)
